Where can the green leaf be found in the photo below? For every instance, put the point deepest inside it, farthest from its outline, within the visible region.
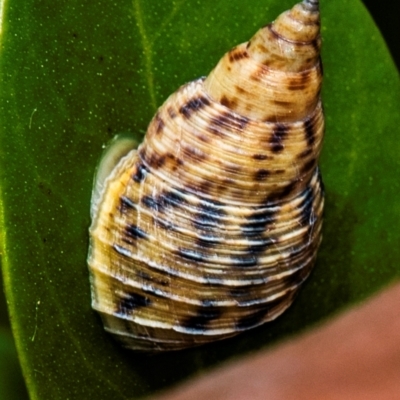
(12, 386)
(75, 73)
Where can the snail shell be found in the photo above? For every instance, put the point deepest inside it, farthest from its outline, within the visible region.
(211, 226)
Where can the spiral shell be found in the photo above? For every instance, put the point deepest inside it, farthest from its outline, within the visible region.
(211, 226)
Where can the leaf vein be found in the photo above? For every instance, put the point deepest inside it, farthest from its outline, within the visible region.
(167, 20)
(147, 52)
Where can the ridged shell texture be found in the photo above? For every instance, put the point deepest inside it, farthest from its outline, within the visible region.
(211, 226)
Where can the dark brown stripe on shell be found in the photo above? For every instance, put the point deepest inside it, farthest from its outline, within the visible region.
(163, 224)
(194, 154)
(240, 90)
(261, 175)
(205, 242)
(296, 85)
(192, 255)
(258, 222)
(157, 161)
(259, 74)
(259, 247)
(159, 123)
(238, 292)
(228, 121)
(171, 112)
(145, 277)
(305, 77)
(301, 81)
(231, 168)
(194, 105)
(165, 199)
(208, 215)
(140, 173)
(321, 182)
(248, 260)
(277, 137)
(204, 138)
(281, 193)
(308, 166)
(204, 187)
(230, 103)
(307, 208)
(132, 301)
(171, 198)
(134, 232)
(298, 277)
(149, 202)
(305, 153)
(126, 204)
(282, 103)
(237, 54)
(261, 157)
(309, 130)
(249, 321)
(316, 44)
(152, 160)
(198, 322)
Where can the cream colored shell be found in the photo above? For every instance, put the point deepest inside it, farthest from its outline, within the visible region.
(211, 226)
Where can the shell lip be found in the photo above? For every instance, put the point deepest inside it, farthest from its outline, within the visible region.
(113, 152)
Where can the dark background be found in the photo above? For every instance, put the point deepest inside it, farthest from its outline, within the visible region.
(386, 14)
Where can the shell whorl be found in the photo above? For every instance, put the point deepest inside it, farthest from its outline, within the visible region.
(211, 226)
(276, 75)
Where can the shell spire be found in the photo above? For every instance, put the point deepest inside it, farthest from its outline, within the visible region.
(280, 64)
(312, 5)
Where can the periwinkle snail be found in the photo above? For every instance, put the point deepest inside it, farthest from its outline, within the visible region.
(210, 227)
